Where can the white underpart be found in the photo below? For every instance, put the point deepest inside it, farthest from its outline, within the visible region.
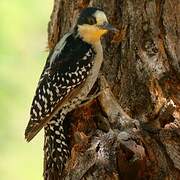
(91, 79)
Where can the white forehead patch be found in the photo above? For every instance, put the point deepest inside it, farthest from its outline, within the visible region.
(100, 17)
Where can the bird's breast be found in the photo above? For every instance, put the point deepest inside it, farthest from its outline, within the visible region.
(92, 77)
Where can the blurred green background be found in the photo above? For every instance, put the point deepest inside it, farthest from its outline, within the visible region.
(23, 40)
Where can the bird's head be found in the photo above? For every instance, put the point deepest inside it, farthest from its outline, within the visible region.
(92, 24)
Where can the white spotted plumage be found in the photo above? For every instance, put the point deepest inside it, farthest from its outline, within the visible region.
(75, 60)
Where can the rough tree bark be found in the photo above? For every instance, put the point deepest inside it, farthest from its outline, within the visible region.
(132, 129)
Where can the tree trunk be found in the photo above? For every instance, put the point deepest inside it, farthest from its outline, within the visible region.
(132, 129)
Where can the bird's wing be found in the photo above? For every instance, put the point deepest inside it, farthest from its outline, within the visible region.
(65, 72)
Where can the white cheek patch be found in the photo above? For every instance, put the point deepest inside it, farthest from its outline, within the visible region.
(100, 17)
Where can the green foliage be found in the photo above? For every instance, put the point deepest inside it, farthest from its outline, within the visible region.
(23, 39)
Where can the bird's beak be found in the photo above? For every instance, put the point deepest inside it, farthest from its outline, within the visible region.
(108, 27)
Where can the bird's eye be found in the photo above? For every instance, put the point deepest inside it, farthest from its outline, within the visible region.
(91, 21)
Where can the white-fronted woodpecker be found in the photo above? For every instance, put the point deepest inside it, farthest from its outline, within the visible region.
(68, 76)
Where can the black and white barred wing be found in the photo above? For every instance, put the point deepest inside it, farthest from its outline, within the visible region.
(66, 71)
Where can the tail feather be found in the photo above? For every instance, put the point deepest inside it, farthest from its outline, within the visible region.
(56, 151)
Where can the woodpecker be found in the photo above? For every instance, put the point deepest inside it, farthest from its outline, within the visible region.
(68, 76)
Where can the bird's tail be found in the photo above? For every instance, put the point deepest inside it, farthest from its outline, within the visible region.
(56, 150)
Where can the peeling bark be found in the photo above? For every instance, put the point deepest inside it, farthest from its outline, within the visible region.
(132, 129)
